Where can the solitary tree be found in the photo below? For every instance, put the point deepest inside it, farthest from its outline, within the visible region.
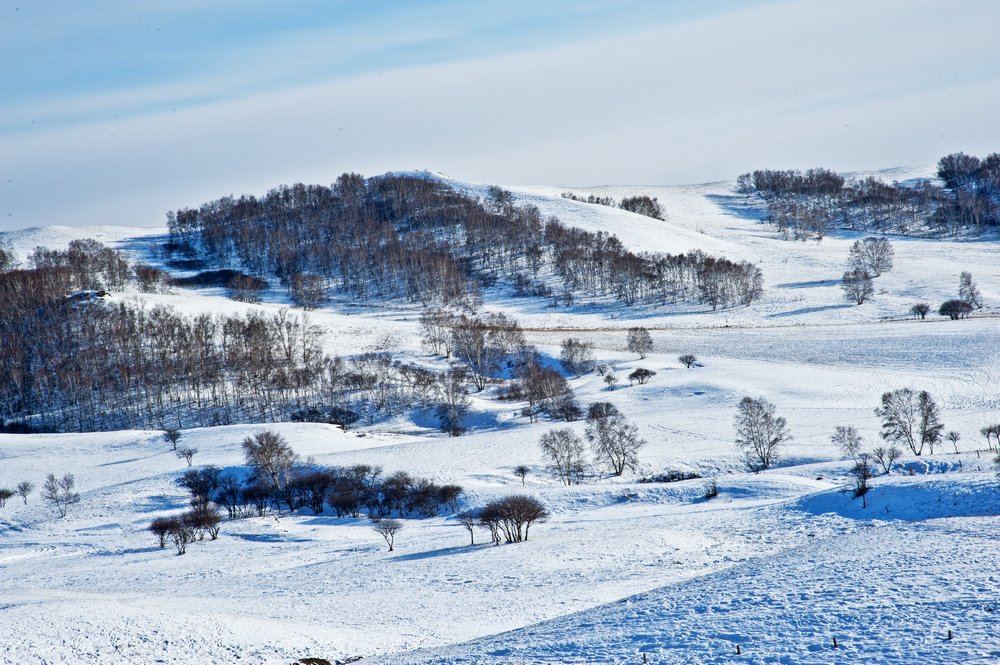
(563, 450)
(857, 285)
(59, 492)
(521, 471)
(848, 440)
(968, 291)
(910, 418)
(577, 356)
(611, 379)
(24, 489)
(688, 360)
(639, 341)
(187, 454)
(615, 443)
(641, 375)
(759, 434)
(172, 436)
(388, 528)
(953, 437)
(871, 255)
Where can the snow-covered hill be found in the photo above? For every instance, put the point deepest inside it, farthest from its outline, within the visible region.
(779, 564)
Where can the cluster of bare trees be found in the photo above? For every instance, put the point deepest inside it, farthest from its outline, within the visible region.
(417, 239)
(808, 205)
(88, 364)
(640, 204)
(280, 479)
(614, 444)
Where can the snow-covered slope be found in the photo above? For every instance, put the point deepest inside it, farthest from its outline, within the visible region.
(779, 564)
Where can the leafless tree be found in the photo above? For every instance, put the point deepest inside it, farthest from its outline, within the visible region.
(521, 471)
(388, 528)
(871, 255)
(160, 527)
(887, 456)
(688, 360)
(857, 285)
(610, 378)
(910, 418)
(639, 341)
(60, 492)
(513, 516)
(862, 471)
(955, 309)
(468, 520)
(271, 458)
(563, 450)
(759, 433)
(641, 375)
(968, 291)
(615, 443)
(577, 356)
(187, 454)
(172, 436)
(953, 437)
(4, 495)
(25, 488)
(848, 440)
(921, 309)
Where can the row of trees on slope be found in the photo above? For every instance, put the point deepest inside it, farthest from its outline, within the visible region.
(413, 238)
(810, 204)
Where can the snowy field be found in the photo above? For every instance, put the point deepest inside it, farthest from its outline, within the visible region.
(779, 565)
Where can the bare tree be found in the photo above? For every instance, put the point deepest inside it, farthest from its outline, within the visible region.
(955, 309)
(521, 471)
(759, 434)
(848, 440)
(246, 288)
(857, 285)
(871, 255)
(187, 454)
(577, 356)
(563, 450)
(468, 520)
(862, 472)
(513, 516)
(59, 492)
(452, 400)
(641, 375)
(615, 443)
(308, 291)
(160, 527)
(610, 378)
(968, 291)
(388, 528)
(4, 495)
(887, 456)
(688, 360)
(953, 437)
(271, 458)
(172, 436)
(639, 341)
(910, 418)
(921, 309)
(25, 488)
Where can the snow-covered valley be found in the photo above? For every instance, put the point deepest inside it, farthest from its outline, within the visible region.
(773, 570)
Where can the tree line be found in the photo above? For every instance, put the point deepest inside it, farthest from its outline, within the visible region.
(810, 204)
(411, 238)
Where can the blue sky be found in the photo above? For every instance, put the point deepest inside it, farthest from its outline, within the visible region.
(115, 112)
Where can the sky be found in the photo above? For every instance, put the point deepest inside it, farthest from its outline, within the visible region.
(115, 111)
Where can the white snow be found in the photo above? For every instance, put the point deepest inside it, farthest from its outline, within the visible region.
(779, 564)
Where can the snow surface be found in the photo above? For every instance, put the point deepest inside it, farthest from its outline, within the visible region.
(780, 564)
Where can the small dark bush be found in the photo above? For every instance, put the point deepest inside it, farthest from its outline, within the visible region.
(208, 278)
(670, 476)
(331, 415)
